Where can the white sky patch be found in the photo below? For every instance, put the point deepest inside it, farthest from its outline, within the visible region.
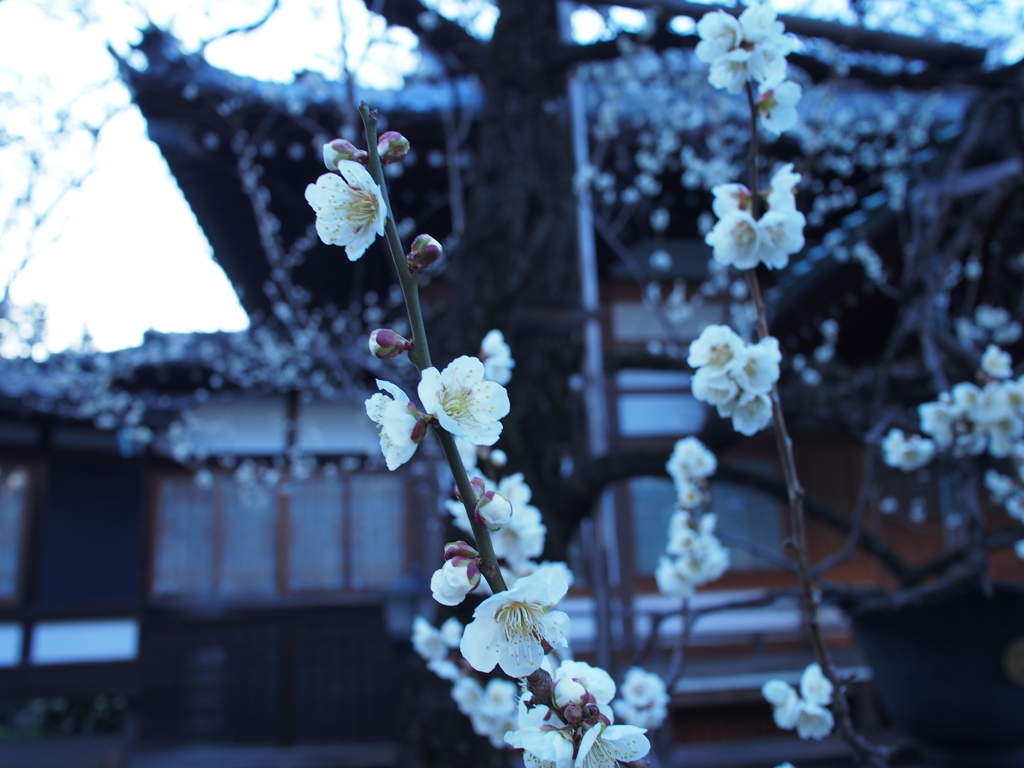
(127, 254)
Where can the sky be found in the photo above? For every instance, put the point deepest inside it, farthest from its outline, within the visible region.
(127, 254)
(123, 253)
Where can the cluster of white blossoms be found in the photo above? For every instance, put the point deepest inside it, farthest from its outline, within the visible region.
(689, 466)
(694, 555)
(521, 538)
(968, 420)
(579, 732)
(643, 699)
(459, 398)
(1009, 491)
(751, 48)
(743, 241)
(435, 645)
(735, 377)
(493, 709)
(807, 711)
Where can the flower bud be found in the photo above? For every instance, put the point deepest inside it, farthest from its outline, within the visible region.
(454, 580)
(498, 458)
(385, 344)
(424, 252)
(342, 149)
(568, 691)
(493, 509)
(573, 713)
(392, 147)
(459, 549)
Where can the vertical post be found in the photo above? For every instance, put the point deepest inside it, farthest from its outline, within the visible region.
(594, 391)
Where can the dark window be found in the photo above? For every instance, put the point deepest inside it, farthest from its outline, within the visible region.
(91, 535)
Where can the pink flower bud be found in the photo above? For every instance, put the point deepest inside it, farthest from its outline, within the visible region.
(425, 251)
(342, 149)
(392, 147)
(573, 713)
(459, 549)
(385, 344)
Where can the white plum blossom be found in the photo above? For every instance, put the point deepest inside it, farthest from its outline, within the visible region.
(451, 632)
(467, 693)
(719, 33)
(606, 746)
(809, 715)
(572, 679)
(730, 198)
(497, 358)
(785, 703)
(739, 240)
(690, 461)
(547, 742)
(815, 722)
(399, 422)
(735, 240)
(731, 70)
(754, 47)
(496, 712)
(937, 420)
(350, 208)
(465, 403)
(445, 669)
(815, 687)
(427, 641)
(780, 191)
(752, 413)
(906, 453)
(735, 377)
(717, 347)
(760, 369)
(997, 363)
(511, 628)
(644, 699)
(776, 106)
(780, 235)
(694, 556)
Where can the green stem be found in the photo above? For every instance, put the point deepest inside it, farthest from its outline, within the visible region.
(420, 356)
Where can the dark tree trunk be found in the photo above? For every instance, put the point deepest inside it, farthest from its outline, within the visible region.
(515, 267)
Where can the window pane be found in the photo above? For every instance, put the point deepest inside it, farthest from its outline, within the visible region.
(377, 532)
(13, 482)
(741, 511)
(315, 556)
(675, 413)
(654, 501)
(748, 513)
(184, 557)
(248, 531)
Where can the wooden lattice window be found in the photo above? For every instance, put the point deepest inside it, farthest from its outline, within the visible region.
(321, 534)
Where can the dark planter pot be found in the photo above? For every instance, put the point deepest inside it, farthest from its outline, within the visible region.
(950, 673)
